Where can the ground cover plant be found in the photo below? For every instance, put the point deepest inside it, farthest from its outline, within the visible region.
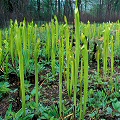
(55, 72)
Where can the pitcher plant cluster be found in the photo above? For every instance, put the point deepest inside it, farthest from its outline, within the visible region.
(20, 41)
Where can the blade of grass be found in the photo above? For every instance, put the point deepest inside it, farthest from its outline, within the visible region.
(85, 62)
(112, 61)
(81, 77)
(77, 52)
(21, 65)
(6, 50)
(36, 53)
(12, 40)
(53, 48)
(48, 42)
(61, 63)
(0, 47)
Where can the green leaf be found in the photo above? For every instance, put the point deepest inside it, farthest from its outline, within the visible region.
(0, 95)
(28, 117)
(52, 118)
(117, 114)
(116, 105)
(32, 105)
(33, 92)
(27, 97)
(109, 110)
(1, 118)
(4, 87)
(92, 114)
(18, 114)
(46, 115)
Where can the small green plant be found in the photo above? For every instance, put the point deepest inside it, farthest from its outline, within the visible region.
(36, 53)
(4, 88)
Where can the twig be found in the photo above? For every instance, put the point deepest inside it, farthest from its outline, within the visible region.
(68, 115)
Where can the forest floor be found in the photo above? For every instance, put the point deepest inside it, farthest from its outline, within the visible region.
(50, 93)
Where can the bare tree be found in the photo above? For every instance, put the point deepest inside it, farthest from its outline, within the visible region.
(38, 8)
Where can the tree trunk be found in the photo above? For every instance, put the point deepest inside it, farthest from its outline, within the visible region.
(38, 8)
(59, 15)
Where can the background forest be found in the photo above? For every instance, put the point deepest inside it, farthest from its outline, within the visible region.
(44, 10)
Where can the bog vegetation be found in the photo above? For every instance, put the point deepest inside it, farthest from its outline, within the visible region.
(84, 63)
